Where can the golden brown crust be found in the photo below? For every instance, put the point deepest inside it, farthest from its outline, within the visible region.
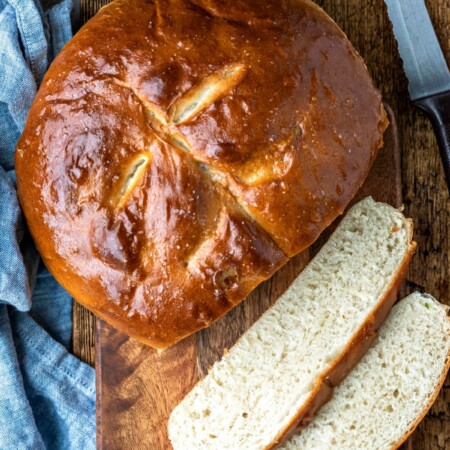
(179, 152)
(351, 355)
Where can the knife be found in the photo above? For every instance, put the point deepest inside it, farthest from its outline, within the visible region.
(425, 67)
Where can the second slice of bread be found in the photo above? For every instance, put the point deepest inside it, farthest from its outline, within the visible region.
(382, 400)
(283, 368)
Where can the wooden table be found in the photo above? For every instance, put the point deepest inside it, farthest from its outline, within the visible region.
(425, 194)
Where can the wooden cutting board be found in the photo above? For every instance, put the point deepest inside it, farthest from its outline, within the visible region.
(137, 387)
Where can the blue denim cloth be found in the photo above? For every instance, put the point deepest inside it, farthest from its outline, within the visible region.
(47, 396)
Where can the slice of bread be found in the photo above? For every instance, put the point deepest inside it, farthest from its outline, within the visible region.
(387, 394)
(283, 368)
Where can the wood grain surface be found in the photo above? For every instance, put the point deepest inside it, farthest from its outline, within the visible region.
(425, 198)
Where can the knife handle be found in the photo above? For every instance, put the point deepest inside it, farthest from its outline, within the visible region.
(437, 108)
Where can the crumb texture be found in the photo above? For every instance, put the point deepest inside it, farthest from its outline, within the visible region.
(256, 390)
(390, 389)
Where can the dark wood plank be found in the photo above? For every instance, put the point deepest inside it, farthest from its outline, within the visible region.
(89, 7)
(425, 196)
(83, 334)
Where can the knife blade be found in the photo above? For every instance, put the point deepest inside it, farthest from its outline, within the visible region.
(425, 68)
(423, 60)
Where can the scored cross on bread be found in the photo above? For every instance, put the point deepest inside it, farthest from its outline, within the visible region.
(185, 108)
(179, 152)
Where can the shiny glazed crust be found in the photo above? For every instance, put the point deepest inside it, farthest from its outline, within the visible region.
(178, 153)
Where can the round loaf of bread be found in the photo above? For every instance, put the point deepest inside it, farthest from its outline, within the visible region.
(179, 152)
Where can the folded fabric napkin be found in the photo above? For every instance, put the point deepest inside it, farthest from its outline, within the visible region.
(47, 396)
